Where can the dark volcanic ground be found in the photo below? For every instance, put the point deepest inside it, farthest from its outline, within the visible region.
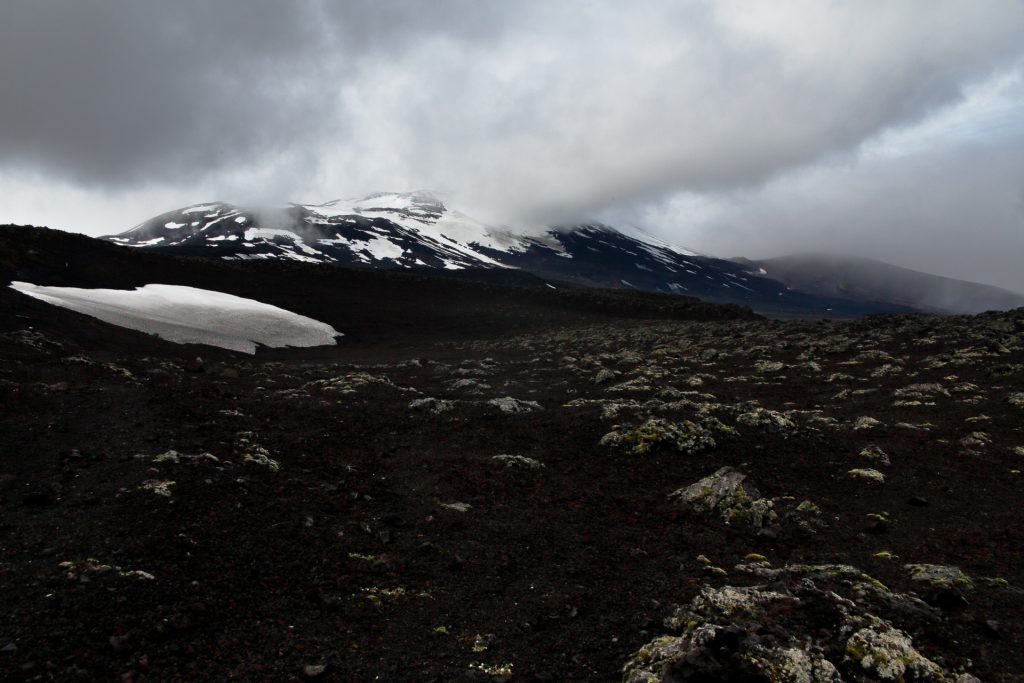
(308, 515)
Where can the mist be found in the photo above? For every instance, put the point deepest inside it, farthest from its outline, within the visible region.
(729, 127)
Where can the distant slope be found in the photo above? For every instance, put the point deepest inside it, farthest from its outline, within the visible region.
(867, 280)
(371, 306)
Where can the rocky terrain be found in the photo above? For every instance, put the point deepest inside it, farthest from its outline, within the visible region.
(560, 486)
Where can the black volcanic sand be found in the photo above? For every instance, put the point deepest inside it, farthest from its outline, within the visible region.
(333, 525)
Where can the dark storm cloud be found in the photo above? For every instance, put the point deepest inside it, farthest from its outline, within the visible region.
(122, 92)
(587, 98)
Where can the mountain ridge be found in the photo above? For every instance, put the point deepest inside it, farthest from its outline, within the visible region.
(832, 274)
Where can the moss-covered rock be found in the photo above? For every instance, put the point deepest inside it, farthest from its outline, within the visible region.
(253, 453)
(724, 494)
(767, 420)
(976, 441)
(875, 454)
(939, 576)
(518, 461)
(514, 406)
(867, 474)
(807, 624)
(435, 406)
(866, 422)
(350, 383)
(658, 434)
(887, 654)
(767, 366)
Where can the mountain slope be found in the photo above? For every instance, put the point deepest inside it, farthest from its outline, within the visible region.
(863, 279)
(418, 231)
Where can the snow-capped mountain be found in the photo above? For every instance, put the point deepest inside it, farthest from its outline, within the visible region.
(417, 230)
(390, 230)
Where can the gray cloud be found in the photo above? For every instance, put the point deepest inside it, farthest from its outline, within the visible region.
(955, 211)
(531, 110)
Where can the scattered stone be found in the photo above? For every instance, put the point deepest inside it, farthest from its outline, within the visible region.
(922, 427)
(254, 453)
(635, 385)
(514, 406)
(939, 576)
(866, 422)
(161, 487)
(807, 516)
(768, 420)
(976, 441)
(314, 670)
(351, 383)
(173, 456)
(765, 366)
(82, 570)
(520, 461)
(469, 385)
(457, 507)
(610, 409)
(867, 474)
(876, 455)
(877, 522)
(886, 370)
(435, 406)
(923, 394)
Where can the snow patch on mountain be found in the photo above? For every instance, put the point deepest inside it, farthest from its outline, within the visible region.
(188, 315)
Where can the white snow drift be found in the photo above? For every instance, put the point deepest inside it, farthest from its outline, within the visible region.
(188, 315)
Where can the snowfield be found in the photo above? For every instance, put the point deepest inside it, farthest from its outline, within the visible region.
(188, 315)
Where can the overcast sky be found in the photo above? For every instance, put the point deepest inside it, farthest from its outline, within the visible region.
(889, 128)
